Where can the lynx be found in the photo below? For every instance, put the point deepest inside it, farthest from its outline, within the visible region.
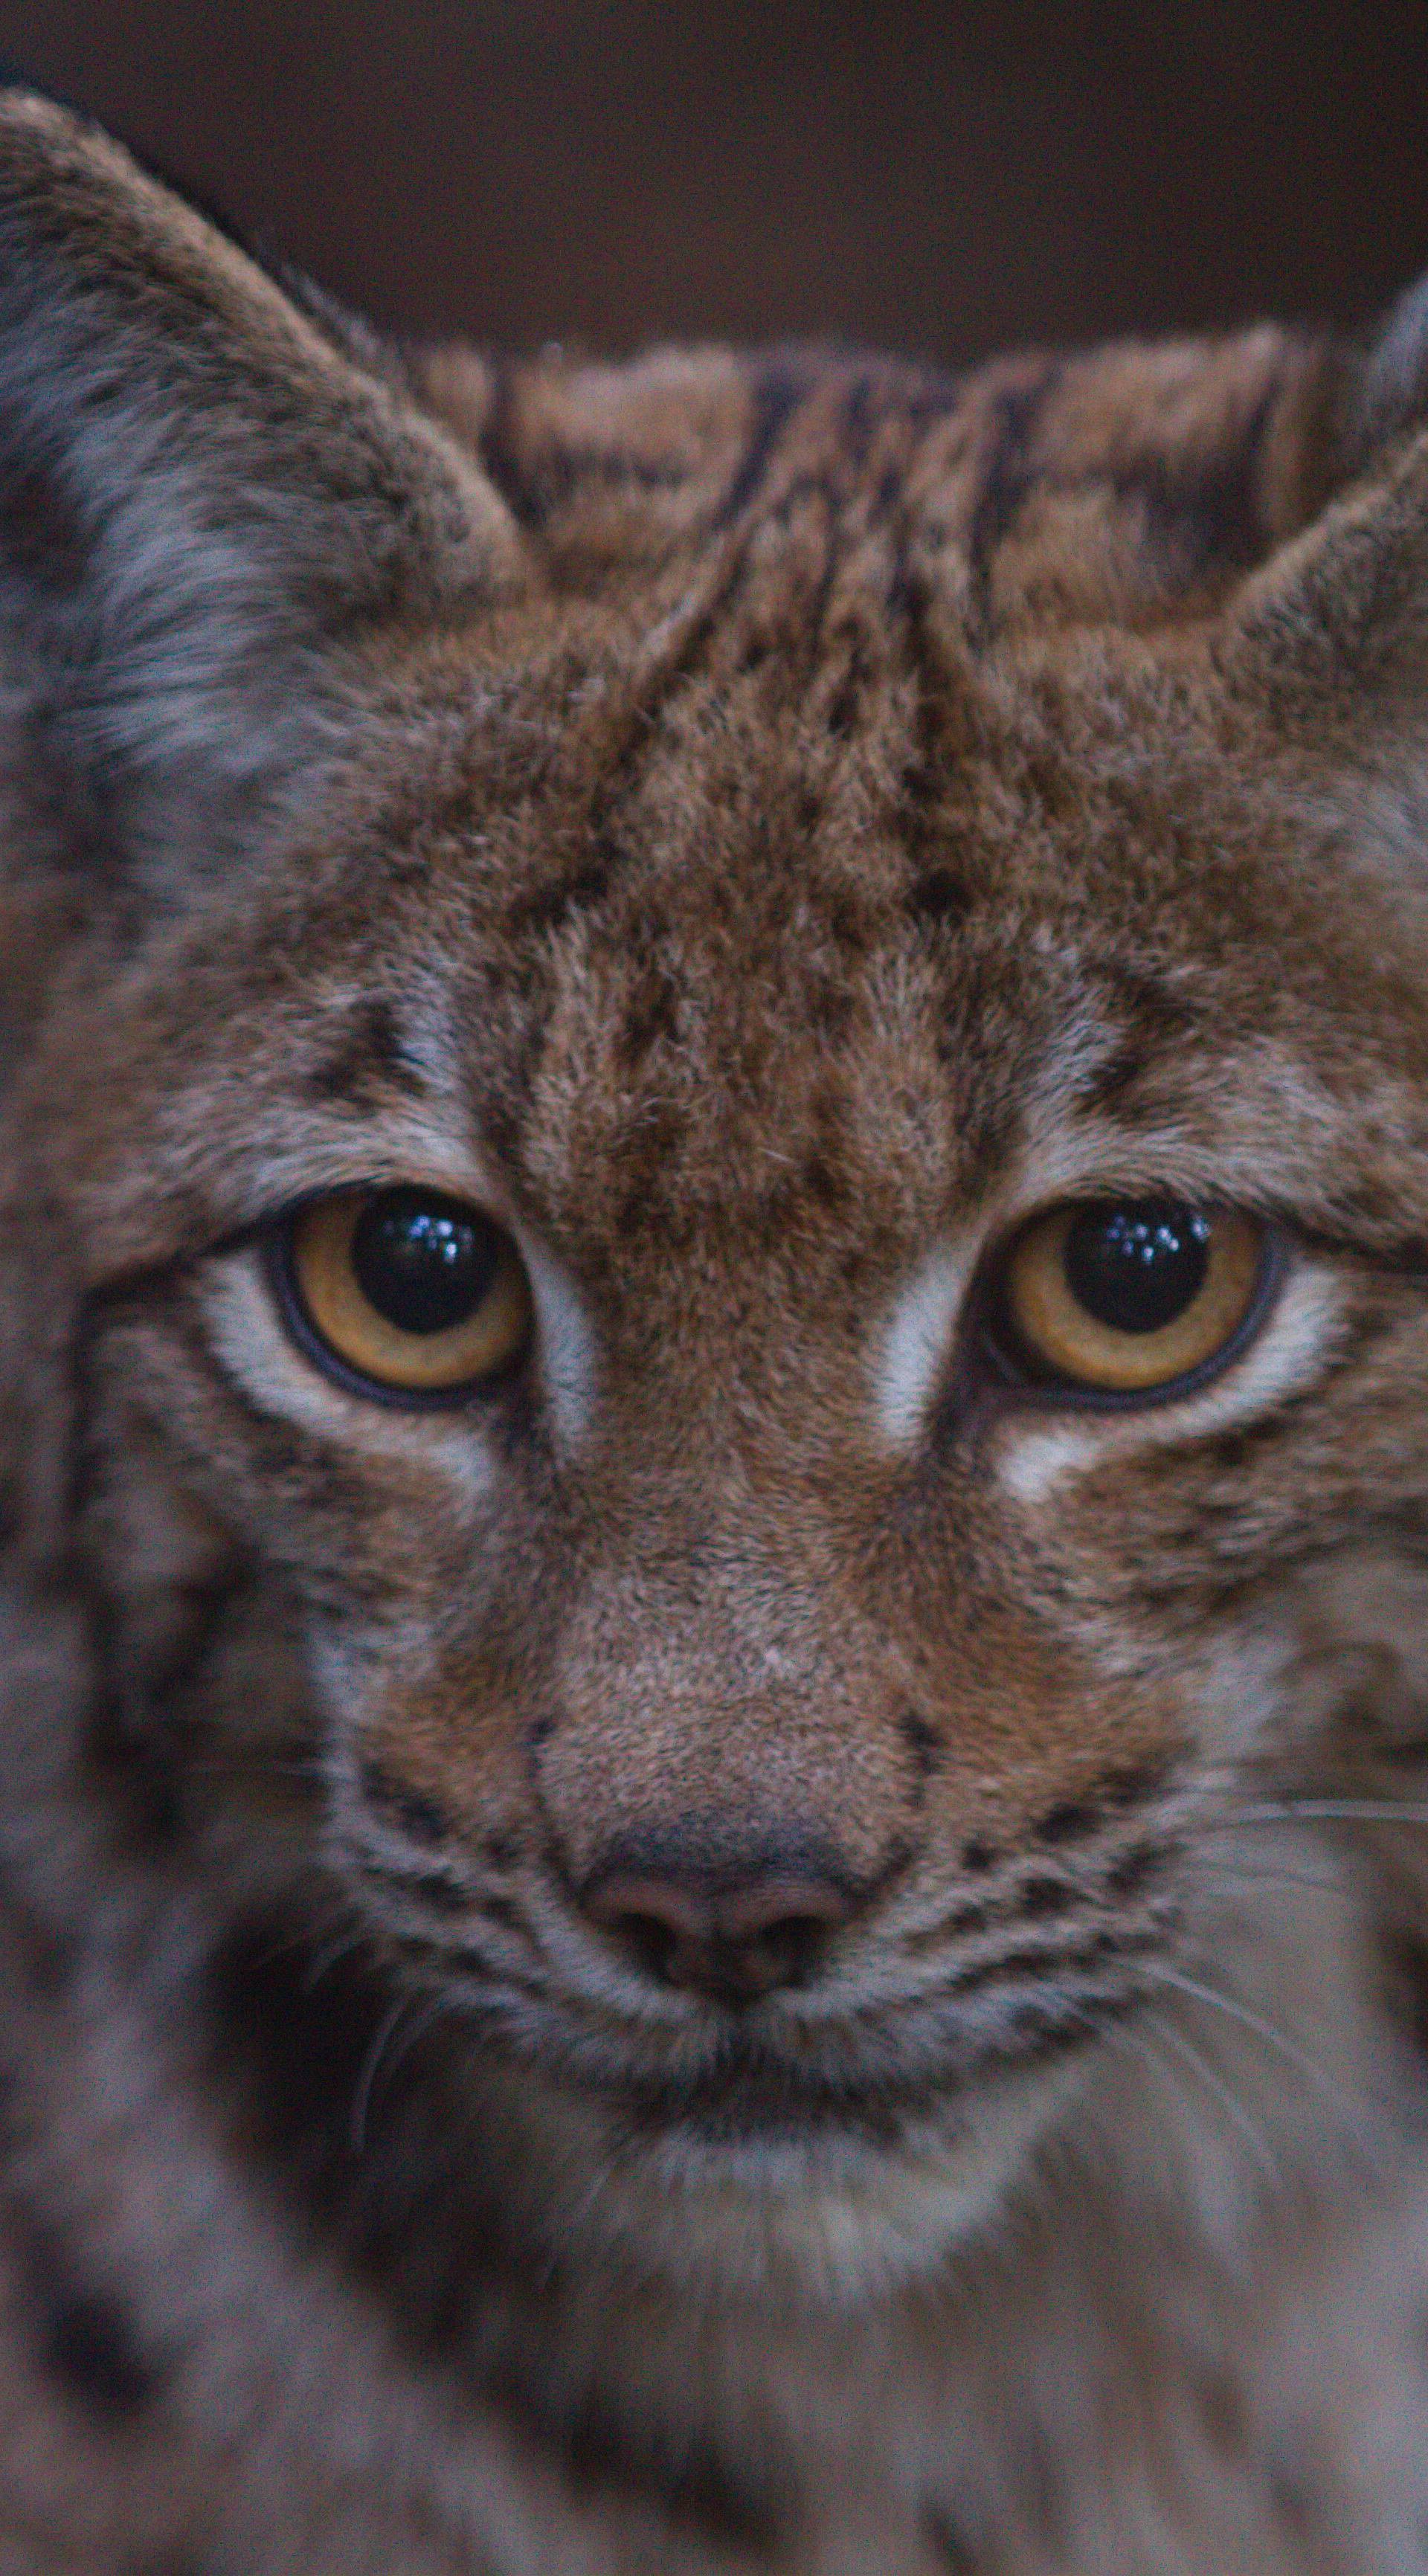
(714, 1637)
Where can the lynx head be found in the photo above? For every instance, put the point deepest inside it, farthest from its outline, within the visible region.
(717, 1155)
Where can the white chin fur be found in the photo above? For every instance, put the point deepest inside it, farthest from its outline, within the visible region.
(833, 2221)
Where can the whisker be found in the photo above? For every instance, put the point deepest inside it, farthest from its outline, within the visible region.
(367, 2076)
(1253, 1875)
(1255, 2136)
(1263, 2030)
(325, 1959)
(1364, 1811)
(605, 2176)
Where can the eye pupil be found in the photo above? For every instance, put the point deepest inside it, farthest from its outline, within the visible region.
(423, 1262)
(1137, 1264)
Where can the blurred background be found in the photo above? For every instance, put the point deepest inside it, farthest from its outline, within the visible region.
(941, 179)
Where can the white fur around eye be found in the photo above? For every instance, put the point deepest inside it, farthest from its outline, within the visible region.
(565, 1344)
(1033, 1452)
(251, 1343)
(916, 1340)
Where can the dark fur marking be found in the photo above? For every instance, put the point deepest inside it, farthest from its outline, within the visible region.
(499, 1909)
(1407, 1753)
(442, 1896)
(1152, 1017)
(923, 1742)
(651, 1017)
(555, 472)
(130, 1727)
(1291, 2498)
(938, 897)
(1134, 1784)
(87, 2346)
(370, 1058)
(1135, 1868)
(498, 452)
(1068, 1822)
(551, 907)
(843, 705)
(1221, 2410)
(430, 1888)
(829, 1190)
(1042, 1958)
(1406, 1962)
(860, 416)
(1045, 1896)
(947, 2535)
(126, 1745)
(395, 1799)
(977, 1855)
(1005, 483)
(1107, 1087)
(41, 534)
(724, 2501)
(968, 1918)
(1206, 514)
(777, 391)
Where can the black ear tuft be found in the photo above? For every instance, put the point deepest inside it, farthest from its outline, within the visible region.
(209, 492)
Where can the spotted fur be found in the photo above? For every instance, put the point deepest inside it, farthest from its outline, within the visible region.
(762, 827)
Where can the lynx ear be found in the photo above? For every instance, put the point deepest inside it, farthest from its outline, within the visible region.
(1329, 638)
(208, 498)
(1391, 391)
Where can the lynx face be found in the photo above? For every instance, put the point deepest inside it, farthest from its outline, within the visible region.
(718, 1184)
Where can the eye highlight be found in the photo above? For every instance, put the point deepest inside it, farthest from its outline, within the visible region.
(1132, 1296)
(411, 1296)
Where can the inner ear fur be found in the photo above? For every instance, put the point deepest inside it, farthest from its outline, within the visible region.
(207, 500)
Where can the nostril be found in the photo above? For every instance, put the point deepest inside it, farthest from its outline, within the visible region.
(650, 1940)
(735, 1940)
(788, 1946)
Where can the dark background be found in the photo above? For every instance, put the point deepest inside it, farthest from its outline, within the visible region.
(937, 178)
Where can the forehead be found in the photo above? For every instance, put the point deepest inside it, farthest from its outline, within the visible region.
(745, 947)
(795, 866)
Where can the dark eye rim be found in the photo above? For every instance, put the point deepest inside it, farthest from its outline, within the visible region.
(1014, 1371)
(276, 1252)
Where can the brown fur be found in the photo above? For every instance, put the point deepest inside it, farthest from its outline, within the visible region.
(762, 827)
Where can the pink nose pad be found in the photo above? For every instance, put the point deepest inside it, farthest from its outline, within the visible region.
(733, 1942)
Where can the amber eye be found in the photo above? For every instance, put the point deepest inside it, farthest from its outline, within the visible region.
(1129, 1296)
(418, 1295)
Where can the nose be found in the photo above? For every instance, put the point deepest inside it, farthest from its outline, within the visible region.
(733, 1939)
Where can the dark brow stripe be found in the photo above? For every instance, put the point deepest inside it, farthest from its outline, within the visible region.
(1006, 480)
(777, 390)
(369, 1059)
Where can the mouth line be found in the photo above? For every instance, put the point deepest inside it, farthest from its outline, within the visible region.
(748, 2079)
(748, 2090)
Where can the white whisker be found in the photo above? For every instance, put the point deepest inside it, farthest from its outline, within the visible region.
(1314, 1811)
(1260, 2028)
(362, 2095)
(1255, 2136)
